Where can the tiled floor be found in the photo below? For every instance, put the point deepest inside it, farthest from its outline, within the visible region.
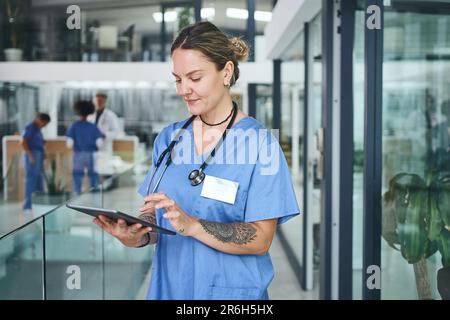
(285, 285)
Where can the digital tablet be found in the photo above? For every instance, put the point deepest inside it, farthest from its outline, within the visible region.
(115, 215)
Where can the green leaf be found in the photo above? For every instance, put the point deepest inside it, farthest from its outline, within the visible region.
(412, 234)
(401, 188)
(444, 203)
(389, 224)
(434, 221)
(430, 248)
(444, 247)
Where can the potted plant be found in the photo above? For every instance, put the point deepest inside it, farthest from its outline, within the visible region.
(56, 189)
(14, 28)
(416, 221)
(54, 196)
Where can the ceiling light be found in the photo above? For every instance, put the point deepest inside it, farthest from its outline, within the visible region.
(265, 16)
(208, 13)
(237, 13)
(169, 16)
(242, 14)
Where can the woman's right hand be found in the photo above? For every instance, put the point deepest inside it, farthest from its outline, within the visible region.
(148, 208)
(130, 236)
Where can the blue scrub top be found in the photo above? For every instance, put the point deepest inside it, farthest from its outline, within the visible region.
(84, 135)
(32, 133)
(185, 268)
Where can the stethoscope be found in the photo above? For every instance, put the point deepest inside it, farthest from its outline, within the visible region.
(196, 176)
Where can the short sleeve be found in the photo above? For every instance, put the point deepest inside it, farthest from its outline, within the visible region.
(70, 132)
(28, 132)
(270, 193)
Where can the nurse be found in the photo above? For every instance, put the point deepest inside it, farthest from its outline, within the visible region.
(85, 139)
(33, 145)
(221, 182)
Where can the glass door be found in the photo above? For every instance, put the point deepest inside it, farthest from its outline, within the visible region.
(264, 105)
(292, 141)
(415, 245)
(358, 152)
(313, 155)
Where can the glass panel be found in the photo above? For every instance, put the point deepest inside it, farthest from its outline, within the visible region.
(315, 107)
(264, 107)
(286, 117)
(292, 130)
(12, 187)
(415, 150)
(21, 261)
(358, 149)
(138, 126)
(130, 265)
(124, 32)
(18, 104)
(106, 31)
(74, 252)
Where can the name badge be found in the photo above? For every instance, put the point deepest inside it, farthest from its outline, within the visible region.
(219, 189)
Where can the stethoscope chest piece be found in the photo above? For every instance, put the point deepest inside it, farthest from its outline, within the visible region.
(196, 177)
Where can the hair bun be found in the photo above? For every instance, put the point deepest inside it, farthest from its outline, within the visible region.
(240, 48)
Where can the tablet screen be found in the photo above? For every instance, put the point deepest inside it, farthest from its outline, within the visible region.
(115, 215)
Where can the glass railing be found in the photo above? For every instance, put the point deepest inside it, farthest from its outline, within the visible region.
(22, 263)
(61, 254)
(130, 266)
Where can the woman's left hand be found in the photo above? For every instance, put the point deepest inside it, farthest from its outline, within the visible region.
(183, 223)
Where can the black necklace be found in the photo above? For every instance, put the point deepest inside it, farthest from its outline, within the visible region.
(218, 124)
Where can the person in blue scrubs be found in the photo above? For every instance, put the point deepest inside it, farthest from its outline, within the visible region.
(33, 145)
(224, 221)
(85, 138)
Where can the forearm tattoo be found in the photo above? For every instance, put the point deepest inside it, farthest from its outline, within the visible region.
(238, 233)
(145, 240)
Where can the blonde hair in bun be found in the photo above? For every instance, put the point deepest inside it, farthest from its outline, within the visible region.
(240, 48)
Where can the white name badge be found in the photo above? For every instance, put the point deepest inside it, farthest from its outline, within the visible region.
(219, 189)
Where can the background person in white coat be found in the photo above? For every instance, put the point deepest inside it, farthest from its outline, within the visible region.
(106, 120)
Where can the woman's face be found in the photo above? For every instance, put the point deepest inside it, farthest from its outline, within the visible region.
(197, 80)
